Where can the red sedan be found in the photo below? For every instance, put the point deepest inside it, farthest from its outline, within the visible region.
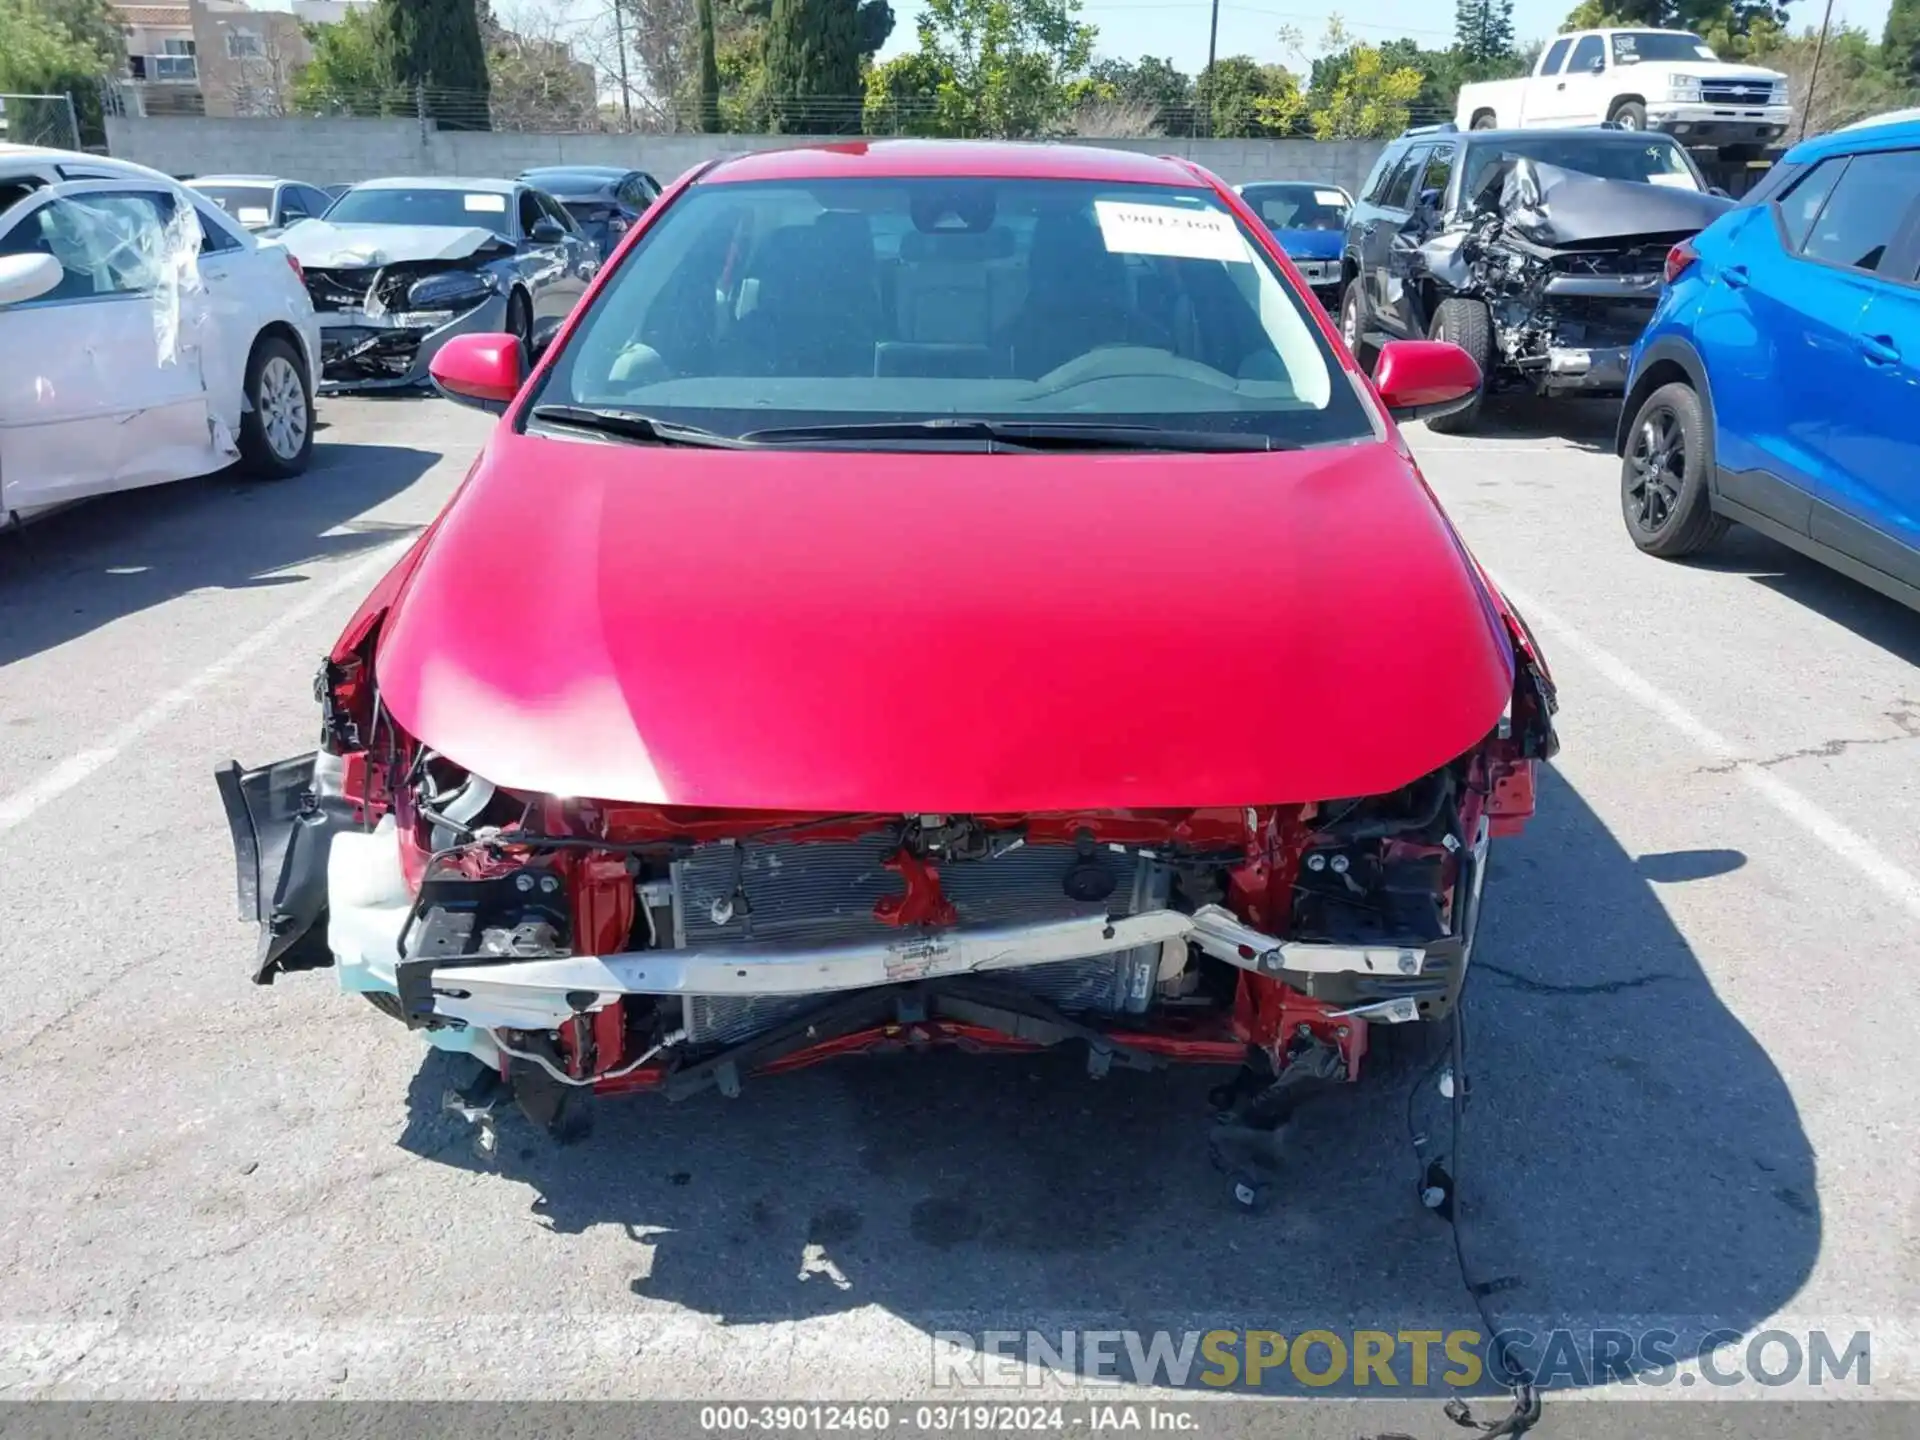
(930, 593)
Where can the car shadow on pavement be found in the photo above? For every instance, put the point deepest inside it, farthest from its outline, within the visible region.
(1874, 617)
(72, 572)
(1633, 1159)
(1583, 424)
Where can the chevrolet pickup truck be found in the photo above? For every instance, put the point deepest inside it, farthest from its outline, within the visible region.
(1666, 80)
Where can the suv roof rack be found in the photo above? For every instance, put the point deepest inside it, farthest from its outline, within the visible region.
(1445, 127)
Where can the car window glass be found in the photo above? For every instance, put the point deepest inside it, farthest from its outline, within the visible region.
(1584, 54)
(215, 237)
(1556, 53)
(1378, 176)
(107, 243)
(766, 304)
(529, 211)
(317, 201)
(1863, 213)
(293, 205)
(1438, 171)
(1399, 192)
(557, 213)
(1800, 207)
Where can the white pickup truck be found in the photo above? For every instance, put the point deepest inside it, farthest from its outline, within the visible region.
(1639, 80)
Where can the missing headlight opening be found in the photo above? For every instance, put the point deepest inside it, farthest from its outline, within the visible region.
(376, 318)
(581, 948)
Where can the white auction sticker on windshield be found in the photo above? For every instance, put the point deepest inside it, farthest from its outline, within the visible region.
(253, 215)
(1328, 197)
(1130, 229)
(487, 204)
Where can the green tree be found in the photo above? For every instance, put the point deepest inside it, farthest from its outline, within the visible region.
(903, 96)
(349, 73)
(1483, 30)
(1153, 83)
(1900, 42)
(1371, 98)
(1724, 23)
(707, 70)
(1009, 67)
(435, 46)
(59, 48)
(813, 66)
(1239, 98)
(1855, 79)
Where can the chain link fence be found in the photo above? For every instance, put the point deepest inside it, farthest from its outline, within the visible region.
(558, 107)
(49, 120)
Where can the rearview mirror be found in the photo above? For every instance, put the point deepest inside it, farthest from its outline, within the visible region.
(483, 371)
(28, 277)
(1419, 379)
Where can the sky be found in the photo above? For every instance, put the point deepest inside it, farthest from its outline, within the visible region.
(1177, 29)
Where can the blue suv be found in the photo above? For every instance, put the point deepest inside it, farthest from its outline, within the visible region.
(1778, 383)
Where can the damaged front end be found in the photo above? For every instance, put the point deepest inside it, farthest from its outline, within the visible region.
(381, 325)
(1570, 268)
(578, 947)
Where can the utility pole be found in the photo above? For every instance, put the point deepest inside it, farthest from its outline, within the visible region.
(1806, 105)
(1213, 39)
(620, 46)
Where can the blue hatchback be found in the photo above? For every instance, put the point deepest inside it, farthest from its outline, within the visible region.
(1778, 383)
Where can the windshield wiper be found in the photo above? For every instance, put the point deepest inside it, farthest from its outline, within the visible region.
(1026, 435)
(632, 425)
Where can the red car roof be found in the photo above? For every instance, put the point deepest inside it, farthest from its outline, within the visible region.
(994, 159)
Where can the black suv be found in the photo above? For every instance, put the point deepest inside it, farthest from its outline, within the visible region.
(1429, 252)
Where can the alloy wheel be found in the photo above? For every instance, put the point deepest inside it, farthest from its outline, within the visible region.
(282, 403)
(1659, 461)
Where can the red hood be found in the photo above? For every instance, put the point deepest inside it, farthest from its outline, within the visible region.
(943, 633)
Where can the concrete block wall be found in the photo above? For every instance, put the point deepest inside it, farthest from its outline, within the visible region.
(336, 152)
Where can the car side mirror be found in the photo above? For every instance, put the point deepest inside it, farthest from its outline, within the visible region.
(547, 231)
(1419, 379)
(1599, 64)
(1722, 193)
(28, 277)
(483, 371)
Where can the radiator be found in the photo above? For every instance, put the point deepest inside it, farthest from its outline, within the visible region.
(729, 894)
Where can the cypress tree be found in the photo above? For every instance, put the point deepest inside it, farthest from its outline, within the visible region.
(1483, 29)
(435, 44)
(813, 66)
(707, 78)
(1900, 44)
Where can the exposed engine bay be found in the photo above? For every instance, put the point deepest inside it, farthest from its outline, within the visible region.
(1569, 267)
(576, 946)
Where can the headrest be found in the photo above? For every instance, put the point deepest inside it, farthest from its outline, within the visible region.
(957, 247)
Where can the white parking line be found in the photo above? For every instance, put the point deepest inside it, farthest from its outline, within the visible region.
(18, 807)
(1897, 883)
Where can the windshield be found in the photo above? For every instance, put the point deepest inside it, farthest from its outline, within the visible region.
(1297, 207)
(1631, 47)
(462, 208)
(1649, 159)
(769, 305)
(251, 205)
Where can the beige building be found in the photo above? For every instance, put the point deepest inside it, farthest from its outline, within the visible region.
(217, 57)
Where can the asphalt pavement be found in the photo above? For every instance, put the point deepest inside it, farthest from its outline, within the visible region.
(1691, 1026)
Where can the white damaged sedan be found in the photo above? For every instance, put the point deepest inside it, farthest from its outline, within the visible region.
(147, 337)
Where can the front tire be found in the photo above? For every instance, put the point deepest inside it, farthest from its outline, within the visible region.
(1353, 324)
(1664, 497)
(276, 429)
(1467, 324)
(1629, 115)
